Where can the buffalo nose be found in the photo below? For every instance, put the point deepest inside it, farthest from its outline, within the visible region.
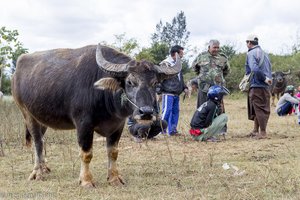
(146, 110)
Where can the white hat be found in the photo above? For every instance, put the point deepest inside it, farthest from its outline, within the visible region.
(252, 37)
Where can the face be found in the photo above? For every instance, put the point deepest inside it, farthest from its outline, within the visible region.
(299, 89)
(249, 45)
(140, 88)
(214, 49)
(180, 53)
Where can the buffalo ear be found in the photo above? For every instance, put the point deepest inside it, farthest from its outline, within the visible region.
(107, 84)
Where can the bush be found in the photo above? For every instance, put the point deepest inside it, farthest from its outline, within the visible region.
(6, 85)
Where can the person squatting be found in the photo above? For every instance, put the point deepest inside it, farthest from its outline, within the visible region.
(209, 120)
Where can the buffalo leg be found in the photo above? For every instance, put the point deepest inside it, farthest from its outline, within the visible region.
(85, 177)
(85, 140)
(112, 142)
(273, 99)
(37, 132)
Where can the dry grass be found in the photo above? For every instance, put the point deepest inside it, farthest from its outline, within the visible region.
(167, 168)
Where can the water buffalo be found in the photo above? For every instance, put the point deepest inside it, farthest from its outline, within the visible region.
(56, 89)
(278, 85)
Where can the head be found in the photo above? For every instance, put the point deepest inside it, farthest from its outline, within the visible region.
(214, 47)
(216, 93)
(290, 89)
(252, 40)
(132, 82)
(176, 49)
(298, 88)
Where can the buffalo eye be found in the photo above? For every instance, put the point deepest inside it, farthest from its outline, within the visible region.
(131, 83)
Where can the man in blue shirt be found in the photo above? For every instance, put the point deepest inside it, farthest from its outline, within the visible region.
(258, 63)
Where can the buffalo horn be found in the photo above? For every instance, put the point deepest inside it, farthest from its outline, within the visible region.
(286, 73)
(112, 61)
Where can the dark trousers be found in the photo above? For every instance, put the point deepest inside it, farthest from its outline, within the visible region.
(259, 106)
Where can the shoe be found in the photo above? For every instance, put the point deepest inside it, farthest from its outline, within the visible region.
(175, 134)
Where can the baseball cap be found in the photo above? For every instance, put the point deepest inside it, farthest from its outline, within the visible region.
(252, 37)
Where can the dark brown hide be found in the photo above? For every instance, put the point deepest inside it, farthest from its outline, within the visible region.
(279, 84)
(55, 89)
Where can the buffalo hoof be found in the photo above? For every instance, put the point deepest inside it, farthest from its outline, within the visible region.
(87, 184)
(115, 180)
(37, 173)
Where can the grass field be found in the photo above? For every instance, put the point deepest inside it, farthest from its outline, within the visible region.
(166, 168)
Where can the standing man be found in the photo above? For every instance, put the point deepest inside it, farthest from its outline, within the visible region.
(258, 63)
(211, 67)
(171, 89)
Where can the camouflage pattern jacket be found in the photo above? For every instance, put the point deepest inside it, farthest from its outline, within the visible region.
(211, 70)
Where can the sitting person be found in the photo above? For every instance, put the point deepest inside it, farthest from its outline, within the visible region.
(209, 120)
(287, 101)
(141, 131)
(298, 96)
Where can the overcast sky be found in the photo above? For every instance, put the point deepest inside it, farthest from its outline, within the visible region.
(74, 23)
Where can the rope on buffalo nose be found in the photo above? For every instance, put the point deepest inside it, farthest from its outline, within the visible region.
(124, 99)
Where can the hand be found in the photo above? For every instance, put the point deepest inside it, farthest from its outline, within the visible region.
(158, 97)
(268, 81)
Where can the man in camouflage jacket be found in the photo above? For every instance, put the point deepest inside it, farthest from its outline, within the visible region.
(211, 67)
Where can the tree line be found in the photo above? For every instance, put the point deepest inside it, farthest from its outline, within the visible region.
(166, 35)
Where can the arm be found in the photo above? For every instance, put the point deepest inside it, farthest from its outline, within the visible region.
(210, 116)
(291, 99)
(247, 68)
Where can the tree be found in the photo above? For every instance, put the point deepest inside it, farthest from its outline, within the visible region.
(296, 46)
(228, 50)
(10, 50)
(168, 35)
(172, 33)
(156, 53)
(127, 46)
